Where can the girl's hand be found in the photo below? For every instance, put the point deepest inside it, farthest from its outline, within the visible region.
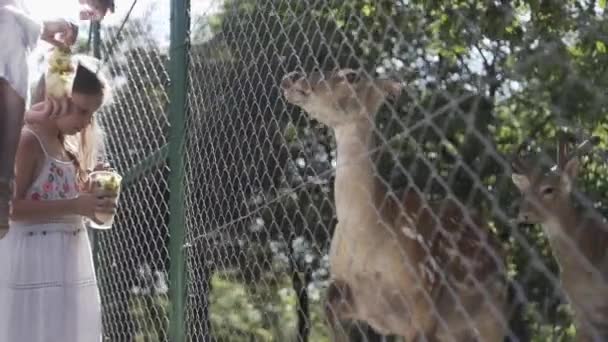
(103, 167)
(99, 167)
(87, 204)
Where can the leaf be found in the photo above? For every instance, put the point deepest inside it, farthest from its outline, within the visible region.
(576, 51)
(367, 10)
(600, 47)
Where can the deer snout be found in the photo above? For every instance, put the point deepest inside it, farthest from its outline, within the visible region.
(289, 79)
(528, 213)
(523, 217)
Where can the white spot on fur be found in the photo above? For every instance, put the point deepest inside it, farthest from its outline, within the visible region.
(409, 232)
(426, 273)
(412, 234)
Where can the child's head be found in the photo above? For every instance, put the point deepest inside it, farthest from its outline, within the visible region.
(78, 128)
(88, 93)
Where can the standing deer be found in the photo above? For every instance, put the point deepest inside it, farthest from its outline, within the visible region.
(578, 236)
(405, 267)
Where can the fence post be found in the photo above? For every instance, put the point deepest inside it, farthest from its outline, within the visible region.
(178, 54)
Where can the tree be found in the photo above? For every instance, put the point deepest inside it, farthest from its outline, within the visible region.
(480, 75)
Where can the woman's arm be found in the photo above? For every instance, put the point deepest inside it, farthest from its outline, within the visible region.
(27, 163)
(30, 27)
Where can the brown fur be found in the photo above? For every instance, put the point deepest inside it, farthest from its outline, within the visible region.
(578, 240)
(403, 266)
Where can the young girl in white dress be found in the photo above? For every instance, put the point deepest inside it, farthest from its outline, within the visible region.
(48, 287)
(19, 34)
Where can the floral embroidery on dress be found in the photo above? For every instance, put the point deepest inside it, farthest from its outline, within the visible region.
(47, 187)
(59, 183)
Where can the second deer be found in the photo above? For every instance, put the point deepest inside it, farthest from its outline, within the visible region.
(402, 265)
(578, 236)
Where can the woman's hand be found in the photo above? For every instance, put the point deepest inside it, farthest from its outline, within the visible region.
(60, 33)
(87, 204)
(49, 109)
(95, 10)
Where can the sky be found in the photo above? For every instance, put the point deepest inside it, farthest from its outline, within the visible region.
(158, 17)
(156, 13)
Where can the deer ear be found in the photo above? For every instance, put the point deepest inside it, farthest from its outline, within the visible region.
(521, 181)
(392, 88)
(347, 75)
(569, 173)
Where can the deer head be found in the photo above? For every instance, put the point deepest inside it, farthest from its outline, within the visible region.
(338, 97)
(546, 194)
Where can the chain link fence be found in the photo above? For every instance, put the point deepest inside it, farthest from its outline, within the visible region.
(132, 259)
(262, 180)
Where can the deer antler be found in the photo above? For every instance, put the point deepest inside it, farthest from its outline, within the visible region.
(583, 148)
(563, 144)
(517, 163)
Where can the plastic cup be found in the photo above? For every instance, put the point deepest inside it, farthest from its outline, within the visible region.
(105, 183)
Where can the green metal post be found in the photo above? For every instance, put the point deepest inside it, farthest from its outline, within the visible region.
(96, 38)
(178, 54)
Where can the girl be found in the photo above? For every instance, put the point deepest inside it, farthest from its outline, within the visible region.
(19, 34)
(49, 292)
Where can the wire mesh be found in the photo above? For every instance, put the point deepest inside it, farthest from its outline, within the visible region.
(267, 191)
(132, 258)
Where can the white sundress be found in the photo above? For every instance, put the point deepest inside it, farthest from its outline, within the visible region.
(48, 288)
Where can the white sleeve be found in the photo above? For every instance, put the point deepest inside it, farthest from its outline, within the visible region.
(31, 28)
(19, 35)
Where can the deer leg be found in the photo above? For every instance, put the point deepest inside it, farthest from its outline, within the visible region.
(589, 329)
(338, 305)
(420, 337)
(490, 328)
(589, 335)
(583, 336)
(335, 326)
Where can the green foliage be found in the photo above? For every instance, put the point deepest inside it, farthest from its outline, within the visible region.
(244, 313)
(510, 63)
(151, 314)
(494, 69)
(149, 306)
(480, 75)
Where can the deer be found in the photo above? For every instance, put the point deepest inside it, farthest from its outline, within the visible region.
(578, 237)
(404, 265)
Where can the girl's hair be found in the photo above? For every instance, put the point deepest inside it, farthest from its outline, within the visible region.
(85, 148)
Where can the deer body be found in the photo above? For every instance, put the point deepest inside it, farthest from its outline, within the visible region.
(376, 245)
(391, 262)
(578, 238)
